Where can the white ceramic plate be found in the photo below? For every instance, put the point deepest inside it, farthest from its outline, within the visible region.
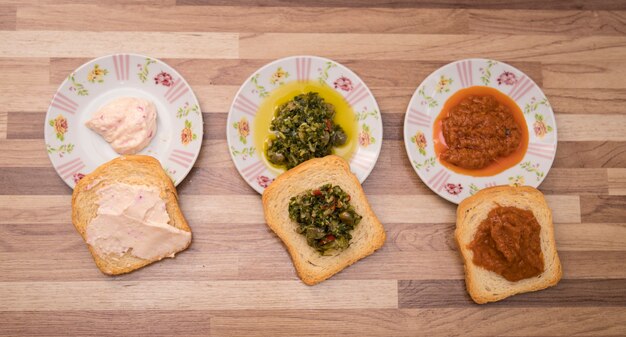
(431, 95)
(75, 150)
(241, 117)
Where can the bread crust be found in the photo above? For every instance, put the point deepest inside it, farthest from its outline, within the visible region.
(131, 169)
(473, 210)
(311, 267)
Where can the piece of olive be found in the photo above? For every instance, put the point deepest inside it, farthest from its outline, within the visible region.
(325, 138)
(346, 217)
(315, 233)
(276, 158)
(339, 138)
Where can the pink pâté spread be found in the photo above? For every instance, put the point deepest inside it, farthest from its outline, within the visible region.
(127, 123)
(133, 218)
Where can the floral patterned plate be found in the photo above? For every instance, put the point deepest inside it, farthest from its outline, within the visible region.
(248, 156)
(75, 150)
(431, 95)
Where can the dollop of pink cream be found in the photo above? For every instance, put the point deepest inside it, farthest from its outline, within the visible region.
(128, 124)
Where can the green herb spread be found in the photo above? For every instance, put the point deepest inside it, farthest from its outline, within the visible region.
(303, 129)
(325, 217)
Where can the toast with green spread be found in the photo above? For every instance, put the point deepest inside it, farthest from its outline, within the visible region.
(144, 172)
(285, 204)
(487, 286)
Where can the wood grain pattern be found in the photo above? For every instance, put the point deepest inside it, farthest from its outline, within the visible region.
(546, 48)
(548, 22)
(73, 44)
(432, 322)
(602, 208)
(231, 19)
(356, 322)
(192, 323)
(490, 4)
(584, 75)
(4, 116)
(7, 17)
(617, 181)
(585, 101)
(236, 278)
(207, 295)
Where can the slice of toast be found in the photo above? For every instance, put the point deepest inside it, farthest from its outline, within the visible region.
(311, 266)
(132, 170)
(487, 286)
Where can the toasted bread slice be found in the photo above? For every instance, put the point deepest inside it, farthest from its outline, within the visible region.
(311, 266)
(132, 170)
(487, 286)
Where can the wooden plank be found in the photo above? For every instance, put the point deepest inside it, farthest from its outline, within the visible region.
(25, 125)
(490, 4)
(473, 321)
(590, 237)
(79, 44)
(543, 48)
(590, 154)
(351, 322)
(603, 208)
(579, 181)
(591, 127)
(548, 22)
(567, 293)
(25, 71)
(39, 96)
(8, 17)
(236, 18)
(208, 295)
(218, 181)
(581, 264)
(32, 180)
(585, 101)
(192, 323)
(584, 75)
(16, 153)
(617, 181)
(26, 3)
(3, 124)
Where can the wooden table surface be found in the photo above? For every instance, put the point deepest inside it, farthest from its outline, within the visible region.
(236, 278)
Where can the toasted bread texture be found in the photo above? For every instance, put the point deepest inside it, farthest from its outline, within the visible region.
(487, 286)
(311, 266)
(132, 170)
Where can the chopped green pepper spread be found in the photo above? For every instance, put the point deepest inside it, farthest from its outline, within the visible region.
(303, 129)
(325, 217)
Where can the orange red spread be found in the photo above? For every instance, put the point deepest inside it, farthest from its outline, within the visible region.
(508, 242)
(480, 132)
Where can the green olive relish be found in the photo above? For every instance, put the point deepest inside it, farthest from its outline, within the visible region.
(303, 129)
(325, 217)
